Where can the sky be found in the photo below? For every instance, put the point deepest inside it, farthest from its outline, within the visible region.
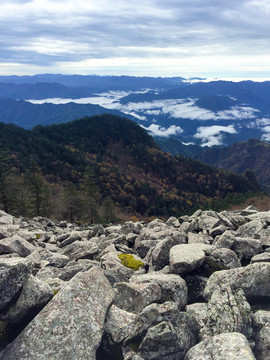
(225, 39)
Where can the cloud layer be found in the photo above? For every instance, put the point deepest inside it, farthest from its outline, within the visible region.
(157, 130)
(150, 37)
(212, 135)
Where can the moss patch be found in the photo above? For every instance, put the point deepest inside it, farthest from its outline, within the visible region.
(129, 261)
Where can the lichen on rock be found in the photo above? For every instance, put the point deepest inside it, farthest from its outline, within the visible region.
(130, 261)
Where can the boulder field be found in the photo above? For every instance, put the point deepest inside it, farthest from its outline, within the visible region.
(192, 288)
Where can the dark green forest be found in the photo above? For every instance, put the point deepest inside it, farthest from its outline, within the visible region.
(105, 168)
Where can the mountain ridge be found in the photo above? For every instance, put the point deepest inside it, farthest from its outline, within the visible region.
(124, 164)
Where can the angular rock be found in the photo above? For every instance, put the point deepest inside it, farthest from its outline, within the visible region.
(198, 311)
(34, 296)
(73, 267)
(70, 326)
(226, 240)
(246, 247)
(187, 226)
(173, 286)
(13, 273)
(6, 219)
(71, 238)
(220, 259)
(261, 323)
(173, 221)
(222, 347)
(16, 244)
(185, 258)
(134, 297)
(207, 222)
(227, 312)
(160, 254)
(80, 250)
(251, 229)
(217, 230)
(264, 257)
(56, 260)
(253, 279)
(199, 238)
(119, 323)
(162, 342)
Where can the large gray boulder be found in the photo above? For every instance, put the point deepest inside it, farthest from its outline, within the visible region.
(261, 323)
(13, 273)
(134, 297)
(80, 250)
(163, 341)
(226, 240)
(119, 323)
(173, 287)
(160, 254)
(16, 244)
(70, 326)
(253, 279)
(246, 247)
(227, 312)
(263, 257)
(222, 347)
(220, 259)
(208, 221)
(185, 258)
(34, 296)
(54, 259)
(162, 332)
(252, 228)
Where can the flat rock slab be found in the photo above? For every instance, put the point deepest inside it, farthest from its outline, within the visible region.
(185, 258)
(70, 327)
(222, 347)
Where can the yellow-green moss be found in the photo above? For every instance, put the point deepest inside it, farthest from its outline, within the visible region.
(129, 261)
(38, 236)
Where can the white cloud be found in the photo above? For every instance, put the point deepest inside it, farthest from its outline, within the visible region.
(132, 113)
(258, 123)
(157, 130)
(188, 110)
(153, 112)
(211, 135)
(266, 136)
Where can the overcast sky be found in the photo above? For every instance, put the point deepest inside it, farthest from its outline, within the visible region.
(207, 38)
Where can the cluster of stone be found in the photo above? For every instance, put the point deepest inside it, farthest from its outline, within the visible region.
(191, 288)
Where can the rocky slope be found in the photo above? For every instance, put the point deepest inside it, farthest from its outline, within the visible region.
(191, 288)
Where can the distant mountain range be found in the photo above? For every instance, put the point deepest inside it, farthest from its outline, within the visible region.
(201, 113)
(28, 115)
(252, 154)
(125, 164)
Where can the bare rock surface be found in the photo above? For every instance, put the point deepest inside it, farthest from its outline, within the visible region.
(261, 322)
(193, 288)
(71, 325)
(13, 273)
(222, 347)
(185, 258)
(253, 279)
